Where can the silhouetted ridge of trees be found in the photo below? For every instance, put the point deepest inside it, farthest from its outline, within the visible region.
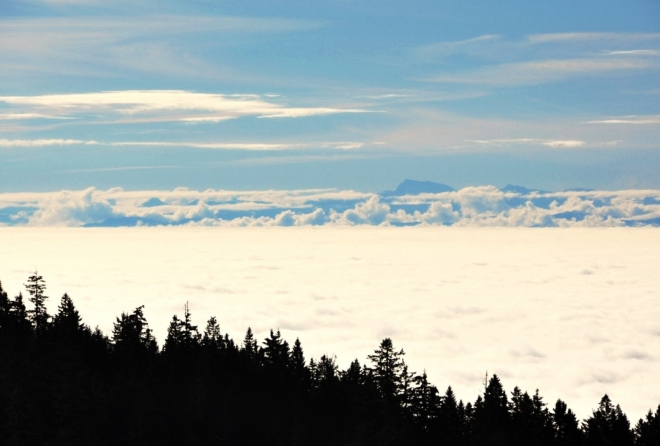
(62, 383)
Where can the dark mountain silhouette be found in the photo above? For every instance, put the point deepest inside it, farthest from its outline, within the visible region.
(579, 189)
(118, 222)
(520, 190)
(153, 202)
(412, 187)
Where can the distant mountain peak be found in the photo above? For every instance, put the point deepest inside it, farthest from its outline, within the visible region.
(522, 190)
(153, 202)
(515, 189)
(413, 187)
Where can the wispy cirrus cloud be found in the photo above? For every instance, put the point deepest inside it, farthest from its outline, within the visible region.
(591, 37)
(116, 44)
(542, 58)
(250, 146)
(554, 143)
(652, 119)
(44, 142)
(475, 45)
(161, 105)
(544, 71)
(22, 116)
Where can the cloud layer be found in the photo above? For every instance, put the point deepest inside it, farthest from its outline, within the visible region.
(573, 312)
(470, 206)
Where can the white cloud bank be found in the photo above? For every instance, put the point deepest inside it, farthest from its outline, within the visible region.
(471, 206)
(573, 312)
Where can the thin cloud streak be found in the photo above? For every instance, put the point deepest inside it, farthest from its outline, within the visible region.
(586, 36)
(44, 142)
(628, 120)
(545, 142)
(540, 72)
(165, 104)
(117, 169)
(339, 145)
(21, 116)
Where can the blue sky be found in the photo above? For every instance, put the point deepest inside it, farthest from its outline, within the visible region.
(335, 94)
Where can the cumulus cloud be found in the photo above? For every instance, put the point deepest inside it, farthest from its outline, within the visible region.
(68, 208)
(470, 206)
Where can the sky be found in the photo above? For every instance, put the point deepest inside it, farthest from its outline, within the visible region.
(575, 317)
(353, 95)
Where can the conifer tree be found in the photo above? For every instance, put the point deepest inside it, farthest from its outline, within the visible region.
(36, 287)
(353, 375)
(388, 370)
(5, 309)
(425, 402)
(647, 431)
(491, 416)
(451, 418)
(212, 336)
(297, 360)
(325, 372)
(19, 314)
(67, 321)
(131, 334)
(566, 425)
(608, 425)
(181, 334)
(249, 346)
(276, 350)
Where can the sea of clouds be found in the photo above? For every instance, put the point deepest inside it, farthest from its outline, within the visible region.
(470, 206)
(571, 311)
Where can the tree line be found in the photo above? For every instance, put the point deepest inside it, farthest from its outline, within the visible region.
(62, 383)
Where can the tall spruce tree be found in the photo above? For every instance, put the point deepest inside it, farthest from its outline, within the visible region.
(276, 349)
(297, 361)
(425, 402)
(67, 322)
(181, 334)
(132, 337)
(608, 426)
(212, 336)
(36, 286)
(450, 419)
(566, 425)
(249, 346)
(491, 415)
(389, 369)
(5, 309)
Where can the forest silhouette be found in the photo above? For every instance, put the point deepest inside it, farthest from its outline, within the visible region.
(62, 383)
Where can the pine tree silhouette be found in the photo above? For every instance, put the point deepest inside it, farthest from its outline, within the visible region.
(38, 315)
(647, 431)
